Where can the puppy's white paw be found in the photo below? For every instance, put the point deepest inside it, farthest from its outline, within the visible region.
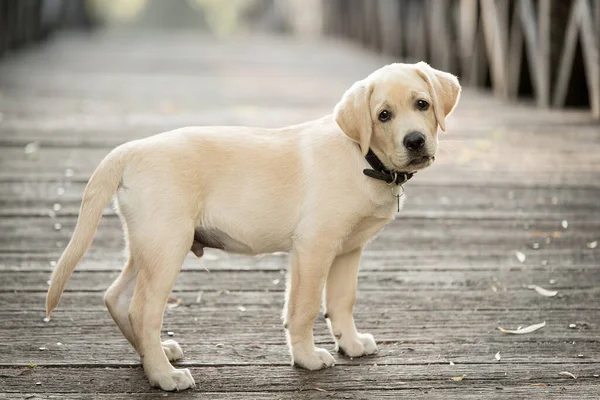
(175, 379)
(172, 350)
(314, 359)
(361, 345)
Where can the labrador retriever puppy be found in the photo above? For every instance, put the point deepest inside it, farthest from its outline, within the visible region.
(319, 190)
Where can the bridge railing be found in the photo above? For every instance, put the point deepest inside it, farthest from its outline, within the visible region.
(545, 49)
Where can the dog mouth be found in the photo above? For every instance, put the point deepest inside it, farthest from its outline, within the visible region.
(420, 162)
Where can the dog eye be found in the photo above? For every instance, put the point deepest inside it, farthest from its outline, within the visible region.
(385, 115)
(422, 105)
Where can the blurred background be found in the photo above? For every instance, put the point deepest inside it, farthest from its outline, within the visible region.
(544, 50)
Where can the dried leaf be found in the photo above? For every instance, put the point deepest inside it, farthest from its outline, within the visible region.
(497, 356)
(521, 256)
(592, 245)
(458, 378)
(173, 302)
(539, 384)
(319, 389)
(32, 150)
(451, 363)
(542, 291)
(566, 373)
(527, 329)
(242, 308)
(564, 223)
(199, 297)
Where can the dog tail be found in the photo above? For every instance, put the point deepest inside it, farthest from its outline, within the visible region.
(99, 191)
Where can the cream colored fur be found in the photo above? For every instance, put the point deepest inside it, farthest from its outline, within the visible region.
(298, 189)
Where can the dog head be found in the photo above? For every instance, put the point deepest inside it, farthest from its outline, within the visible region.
(396, 111)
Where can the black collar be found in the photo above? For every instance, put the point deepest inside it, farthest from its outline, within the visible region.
(380, 172)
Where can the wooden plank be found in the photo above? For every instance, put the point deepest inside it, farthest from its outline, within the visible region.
(389, 11)
(543, 52)
(515, 52)
(403, 237)
(531, 30)
(568, 55)
(496, 43)
(38, 198)
(539, 391)
(495, 296)
(85, 349)
(468, 36)
(411, 280)
(287, 379)
(591, 55)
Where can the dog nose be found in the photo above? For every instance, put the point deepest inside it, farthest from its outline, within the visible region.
(414, 141)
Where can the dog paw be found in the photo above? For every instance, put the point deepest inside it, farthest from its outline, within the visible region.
(172, 350)
(176, 379)
(314, 360)
(361, 345)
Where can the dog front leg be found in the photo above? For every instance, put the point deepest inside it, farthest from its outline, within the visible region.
(340, 295)
(308, 272)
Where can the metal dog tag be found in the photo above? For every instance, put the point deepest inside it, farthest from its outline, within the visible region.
(397, 192)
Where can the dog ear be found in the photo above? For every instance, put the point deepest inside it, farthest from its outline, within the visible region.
(353, 114)
(444, 89)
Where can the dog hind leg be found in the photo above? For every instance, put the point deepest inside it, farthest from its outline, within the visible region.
(159, 258)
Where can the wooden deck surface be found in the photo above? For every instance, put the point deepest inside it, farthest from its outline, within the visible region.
(434, 285)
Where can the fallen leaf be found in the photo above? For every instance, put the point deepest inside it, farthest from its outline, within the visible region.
(542, 291)
(319, 389)
(521, 256)
(539, 384)
(556, 234)
(497, 356)
(566, 373)
(564, 223)
(592, 245)
(458, 378)
(572, 326)
(242, 308)
(32, 150)
(199, 297)
(173, 302)
(451, 363)
(522, 331)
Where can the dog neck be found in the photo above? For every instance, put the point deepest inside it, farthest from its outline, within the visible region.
(380, 172)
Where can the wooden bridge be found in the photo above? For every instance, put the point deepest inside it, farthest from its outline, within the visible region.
(512, 201)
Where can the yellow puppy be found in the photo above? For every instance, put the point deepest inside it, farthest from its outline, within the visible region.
(319, 190)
